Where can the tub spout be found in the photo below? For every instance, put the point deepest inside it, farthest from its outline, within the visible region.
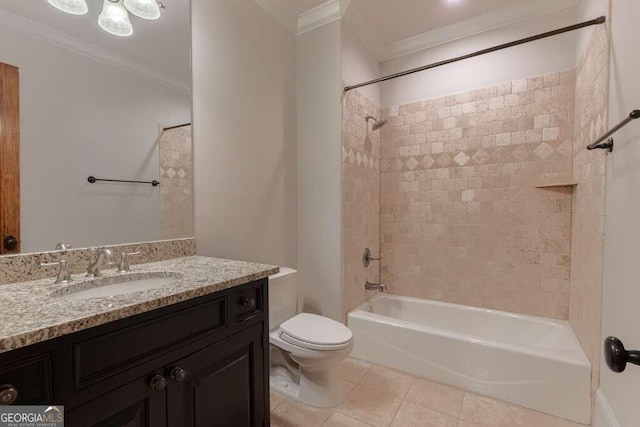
(375, 286)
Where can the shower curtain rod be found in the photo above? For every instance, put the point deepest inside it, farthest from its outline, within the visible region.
(600, 20)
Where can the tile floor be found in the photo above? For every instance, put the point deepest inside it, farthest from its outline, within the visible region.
(378, 396)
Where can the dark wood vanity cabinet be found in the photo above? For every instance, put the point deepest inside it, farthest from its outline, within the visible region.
(202, 362)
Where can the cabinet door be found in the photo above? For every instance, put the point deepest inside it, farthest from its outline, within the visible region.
(224, 384)
(136, 404)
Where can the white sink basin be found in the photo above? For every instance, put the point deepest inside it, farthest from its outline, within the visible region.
(105, 287)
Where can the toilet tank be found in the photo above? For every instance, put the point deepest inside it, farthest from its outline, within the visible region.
(283, 296)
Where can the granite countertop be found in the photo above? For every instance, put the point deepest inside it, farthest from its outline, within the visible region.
(32, 312)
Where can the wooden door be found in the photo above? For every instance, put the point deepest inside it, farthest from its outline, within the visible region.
(136, 404)
(224, 385)
(9, 160)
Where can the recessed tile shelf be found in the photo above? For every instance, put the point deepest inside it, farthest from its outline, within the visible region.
(558, 184)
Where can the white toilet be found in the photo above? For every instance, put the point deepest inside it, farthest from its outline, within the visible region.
(306, 348)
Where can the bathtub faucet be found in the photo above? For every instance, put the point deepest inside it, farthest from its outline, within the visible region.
(375, 286)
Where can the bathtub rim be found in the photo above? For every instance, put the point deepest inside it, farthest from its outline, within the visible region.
(564, 356)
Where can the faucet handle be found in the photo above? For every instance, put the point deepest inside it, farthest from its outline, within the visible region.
(124, 267)
(367, 258)
(63, 272)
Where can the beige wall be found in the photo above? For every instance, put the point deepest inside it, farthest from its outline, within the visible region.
(622, 230)
(244, 130)
(360, 197)
(319, 166)
(461, 220)
(528, 60)
(587, 225)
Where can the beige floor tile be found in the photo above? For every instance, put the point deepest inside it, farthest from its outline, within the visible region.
(410, 415)
(463, 423)
(340, 420)
(353, 370)
(538, 419)
(387, 380)
(439, 397)
(293, 414)
(275, 400)
(487, 412)
(370, 406)
(346, 387)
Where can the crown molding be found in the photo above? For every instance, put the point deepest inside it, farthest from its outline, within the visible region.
(281, 13)
(467, 28)
(326, 13)
(35, 30)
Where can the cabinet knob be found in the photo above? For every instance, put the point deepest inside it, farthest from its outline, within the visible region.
(158, 382)
(249, 302)
(8, 394)
(178, 374)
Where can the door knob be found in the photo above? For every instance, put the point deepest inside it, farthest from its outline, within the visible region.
(10, 243)
(617, 356)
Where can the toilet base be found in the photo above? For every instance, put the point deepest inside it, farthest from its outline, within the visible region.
(314, 389)
(310, 382)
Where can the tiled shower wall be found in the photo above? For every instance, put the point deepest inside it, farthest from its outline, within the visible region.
(461, 218)
(592, 97)
(176, 183)
(360, 197)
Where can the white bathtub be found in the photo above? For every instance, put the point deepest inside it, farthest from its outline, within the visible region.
(530, 361)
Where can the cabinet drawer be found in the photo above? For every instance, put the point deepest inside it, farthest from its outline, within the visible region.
(31, 378)
(105, 355)
(247, 304)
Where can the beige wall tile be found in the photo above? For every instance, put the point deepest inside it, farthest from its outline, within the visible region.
(361, 190)
(591, 103)
(176, 183)
(460, 219)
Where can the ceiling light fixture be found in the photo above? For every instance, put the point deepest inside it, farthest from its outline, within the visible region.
(145, 9)
(114, 19)
(74, 7)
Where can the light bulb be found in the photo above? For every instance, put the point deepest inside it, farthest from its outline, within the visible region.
(114, 19)
(145, 9)
(74, 7)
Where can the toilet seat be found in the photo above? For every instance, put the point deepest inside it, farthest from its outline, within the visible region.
(315, 332)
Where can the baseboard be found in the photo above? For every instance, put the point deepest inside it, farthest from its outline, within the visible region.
(604, 416)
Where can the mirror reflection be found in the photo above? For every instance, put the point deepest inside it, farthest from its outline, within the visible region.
(94, 88)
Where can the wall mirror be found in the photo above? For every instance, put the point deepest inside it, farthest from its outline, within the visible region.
(94, 88)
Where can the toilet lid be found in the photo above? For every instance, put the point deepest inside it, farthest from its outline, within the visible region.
(317, 331)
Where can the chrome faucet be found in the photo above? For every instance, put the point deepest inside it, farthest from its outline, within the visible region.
(97, 260)
(63, 275)
(124, 267)
(375, 286)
